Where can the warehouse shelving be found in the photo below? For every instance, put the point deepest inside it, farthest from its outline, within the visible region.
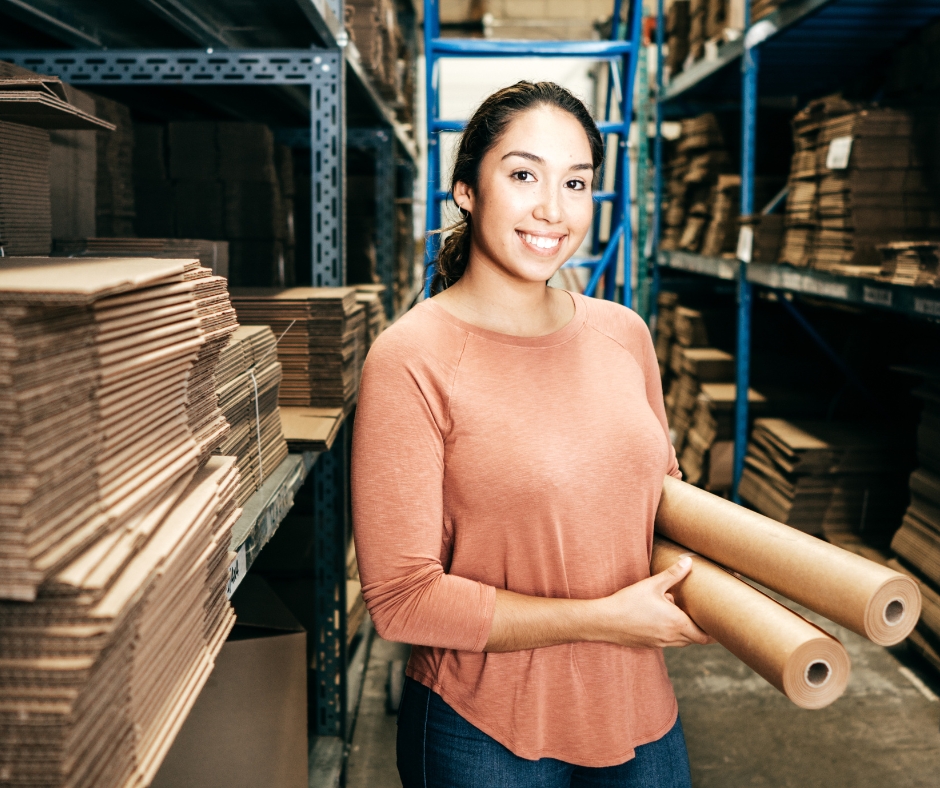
(291, 65)
(797, 52)
(264, 512)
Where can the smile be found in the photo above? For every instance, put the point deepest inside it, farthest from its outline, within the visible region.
(540, 241)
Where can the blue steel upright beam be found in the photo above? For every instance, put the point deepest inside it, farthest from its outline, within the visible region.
(627, 87)
(657, 168)
(432, 213)
(750, 65)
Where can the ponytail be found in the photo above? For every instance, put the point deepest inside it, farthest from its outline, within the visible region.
(454, 255)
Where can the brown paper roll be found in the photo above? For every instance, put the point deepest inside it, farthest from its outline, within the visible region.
(865, 597)
(806, 664)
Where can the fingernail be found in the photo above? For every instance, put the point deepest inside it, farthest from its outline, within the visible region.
(685, 562)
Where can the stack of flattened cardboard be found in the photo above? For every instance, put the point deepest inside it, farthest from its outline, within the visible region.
(73, 174)
(698, 30)
(321, 340)
(373, 28)
(248, 380)
(114, 195)
(693, 366)
(873, 187)
(706, 460)
(677, 36)
(722, 233)
(106, 365)
(100, 671)
(370, 296)
(699, 159)
(911, 263)
(115, 531)
(917, 542)
(210, 254)
(825, 478)
(667, 301)
(225, 184)
(30, 105)
(802, 214)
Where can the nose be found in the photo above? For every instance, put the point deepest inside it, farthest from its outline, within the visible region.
(548, 208)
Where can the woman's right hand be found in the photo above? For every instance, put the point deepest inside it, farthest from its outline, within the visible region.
(645, 615)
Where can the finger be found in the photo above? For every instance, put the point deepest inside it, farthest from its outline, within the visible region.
(670, 597)
(669, 577)
(696, 634)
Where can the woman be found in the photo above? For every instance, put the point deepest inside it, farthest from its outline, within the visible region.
(510, 446)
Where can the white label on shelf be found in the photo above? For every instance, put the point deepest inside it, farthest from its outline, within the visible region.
(840, 149)
(745, 243)
(927, 306)
(876, 295)
(758, 32)
(236, 572)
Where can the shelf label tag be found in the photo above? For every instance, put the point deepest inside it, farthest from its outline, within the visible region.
(927, 306)
(839, 151)
(236, 572)
(876, 295)
(745, 243)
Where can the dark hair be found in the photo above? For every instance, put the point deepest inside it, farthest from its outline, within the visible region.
(484, 129)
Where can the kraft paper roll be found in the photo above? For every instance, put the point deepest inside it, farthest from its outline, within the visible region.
(805, 663)
(867, 598)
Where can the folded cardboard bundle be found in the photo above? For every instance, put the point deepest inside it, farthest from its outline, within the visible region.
(694, 366)
(114, 193)
(825, 477)
(911, 263)
(699, 157)
(802, 212)
(370, 296)
(31, 105)
(917, 542)
(709, 447)
(248, 380)
(99, 672)
(116, 523)
(210, 254)
(321, 340)
(109, 399)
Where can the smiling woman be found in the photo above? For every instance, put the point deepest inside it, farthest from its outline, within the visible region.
(521, 581)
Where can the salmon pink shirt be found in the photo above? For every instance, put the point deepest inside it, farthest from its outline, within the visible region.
(534, 464)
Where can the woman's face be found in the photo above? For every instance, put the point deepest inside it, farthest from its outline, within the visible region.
(532, 205)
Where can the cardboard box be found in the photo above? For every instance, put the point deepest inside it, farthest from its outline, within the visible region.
(249, 725)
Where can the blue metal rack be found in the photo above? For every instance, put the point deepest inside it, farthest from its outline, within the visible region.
(620, 51)
(802, 50)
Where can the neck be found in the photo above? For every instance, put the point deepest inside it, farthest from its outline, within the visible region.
(490, 297)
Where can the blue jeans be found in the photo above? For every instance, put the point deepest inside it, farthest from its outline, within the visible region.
(437, 748)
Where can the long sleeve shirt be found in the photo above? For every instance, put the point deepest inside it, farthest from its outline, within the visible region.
(534, 464)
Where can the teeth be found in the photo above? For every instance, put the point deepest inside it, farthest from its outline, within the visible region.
(540, 241)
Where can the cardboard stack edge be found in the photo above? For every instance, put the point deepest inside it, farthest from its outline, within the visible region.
(248, 380)
(321, 340)
(116, 522)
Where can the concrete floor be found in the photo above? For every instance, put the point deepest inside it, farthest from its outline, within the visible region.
(883, 733)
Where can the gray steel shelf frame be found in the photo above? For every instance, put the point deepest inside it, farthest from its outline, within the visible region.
(321, 69)
(380, 144)
(324, 70)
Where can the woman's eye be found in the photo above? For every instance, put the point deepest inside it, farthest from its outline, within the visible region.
(575, 184)
(524, 176)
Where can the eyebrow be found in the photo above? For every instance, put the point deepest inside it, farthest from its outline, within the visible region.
(539, 160)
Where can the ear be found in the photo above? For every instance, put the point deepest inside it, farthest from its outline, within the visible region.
(463, 196)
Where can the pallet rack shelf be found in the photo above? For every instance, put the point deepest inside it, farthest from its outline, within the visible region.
(289, 64)
(800, 51)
